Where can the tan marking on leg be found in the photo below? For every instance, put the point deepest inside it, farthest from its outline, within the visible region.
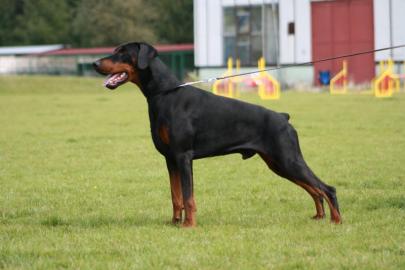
(335, 216)
(190, 209)
(320, 213)
(177, 197)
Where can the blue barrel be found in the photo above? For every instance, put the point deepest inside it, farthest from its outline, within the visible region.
(324, 77)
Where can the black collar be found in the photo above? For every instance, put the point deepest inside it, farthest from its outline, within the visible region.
(164, 92)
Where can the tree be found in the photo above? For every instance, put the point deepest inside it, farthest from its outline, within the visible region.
(111, 22)
(9, 10)
(34, 22)
(95, 22)
(173, 21)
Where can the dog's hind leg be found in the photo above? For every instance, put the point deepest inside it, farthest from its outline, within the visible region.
(318, 199)
(304, 177)
(289, 163)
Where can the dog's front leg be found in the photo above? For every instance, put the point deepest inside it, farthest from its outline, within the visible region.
(175, 188)
(184, 163)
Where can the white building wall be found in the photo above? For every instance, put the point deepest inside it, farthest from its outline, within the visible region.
(208, 30)
(303, 33)
(287, 42)
(208, 33)
(295, 48)
(381, 28)
(200, 33)
(214, 33)
(8, 64)
(227, 3)
(398, 29)
(389, 31)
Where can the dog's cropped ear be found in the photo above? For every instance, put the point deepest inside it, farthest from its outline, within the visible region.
(145, 55)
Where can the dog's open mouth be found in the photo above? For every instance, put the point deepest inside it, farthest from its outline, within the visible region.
(115, 80)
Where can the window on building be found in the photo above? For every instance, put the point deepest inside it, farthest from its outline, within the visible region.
(251, 32)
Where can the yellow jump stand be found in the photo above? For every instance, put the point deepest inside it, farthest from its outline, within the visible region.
(269, 88)
(340, 78)
(237, 80)
(387, 82)
(403, 76)
(225, 87)
(400, 77)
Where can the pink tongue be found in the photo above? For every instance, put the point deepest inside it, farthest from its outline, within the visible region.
(110, 79)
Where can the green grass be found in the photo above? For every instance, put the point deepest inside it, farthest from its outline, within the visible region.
(82, 187)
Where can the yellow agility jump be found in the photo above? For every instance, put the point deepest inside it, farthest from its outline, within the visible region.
(341, 80)
(269, 88)
(225, 87)
(387, 82)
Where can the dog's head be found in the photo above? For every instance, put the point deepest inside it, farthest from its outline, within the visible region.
(125, 64)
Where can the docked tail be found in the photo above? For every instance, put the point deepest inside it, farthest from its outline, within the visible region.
(286, 116)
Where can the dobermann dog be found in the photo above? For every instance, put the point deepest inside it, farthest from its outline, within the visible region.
(188, 123)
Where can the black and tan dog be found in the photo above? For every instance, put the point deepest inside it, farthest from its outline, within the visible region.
(188, 123)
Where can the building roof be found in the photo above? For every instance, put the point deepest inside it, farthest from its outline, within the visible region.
(109, 50)
(80, 51)
(18, 50)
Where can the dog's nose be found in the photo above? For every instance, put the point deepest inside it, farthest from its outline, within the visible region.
(96, 64)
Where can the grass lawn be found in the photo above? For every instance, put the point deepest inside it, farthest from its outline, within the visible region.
(82, 187)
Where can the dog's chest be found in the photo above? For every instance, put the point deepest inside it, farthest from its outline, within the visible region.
(160, 136)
